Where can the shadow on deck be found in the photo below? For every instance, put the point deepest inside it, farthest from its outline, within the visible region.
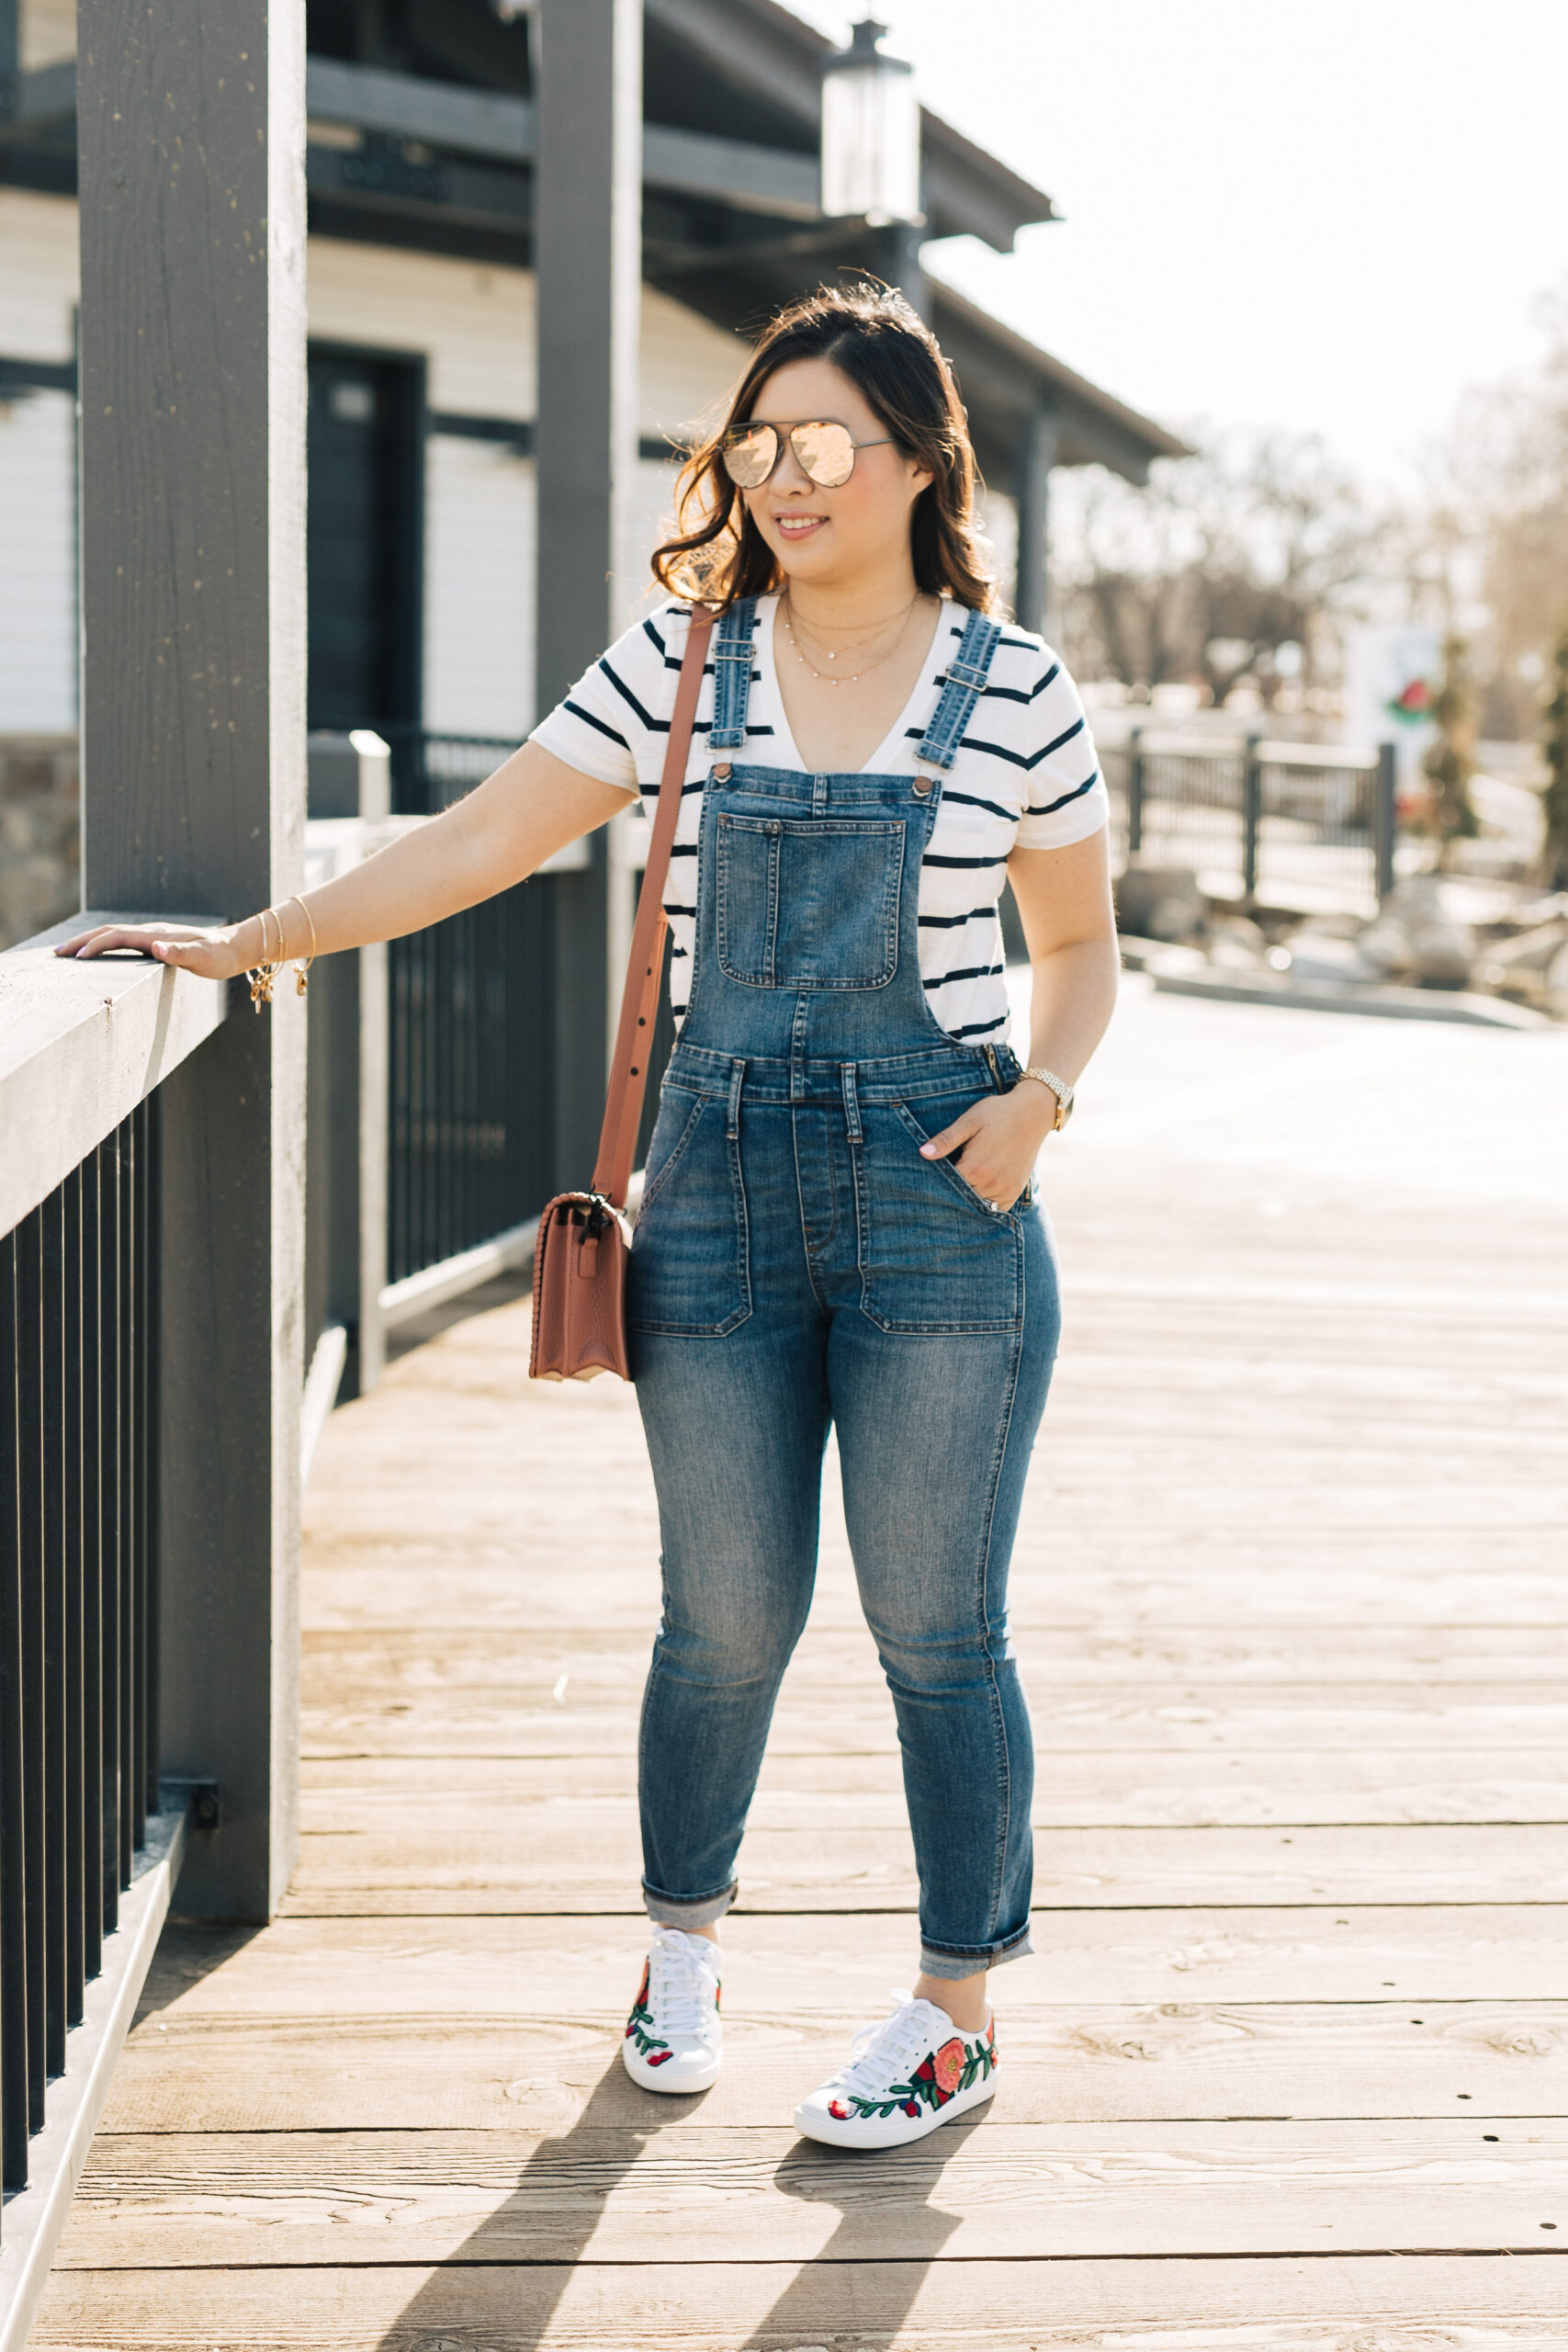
(1289, 1603)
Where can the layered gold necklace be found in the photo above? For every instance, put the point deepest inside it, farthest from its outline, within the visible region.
(845, 677)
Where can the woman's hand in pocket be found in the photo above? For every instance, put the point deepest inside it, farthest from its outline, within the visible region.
(995, 1144)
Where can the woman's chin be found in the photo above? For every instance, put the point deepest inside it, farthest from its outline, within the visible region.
(810, 558)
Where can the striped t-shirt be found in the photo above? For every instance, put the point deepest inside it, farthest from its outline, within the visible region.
(1025, 775)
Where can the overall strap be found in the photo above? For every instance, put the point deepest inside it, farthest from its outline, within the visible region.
(966, 675)
(732, 659)
(640, 1000)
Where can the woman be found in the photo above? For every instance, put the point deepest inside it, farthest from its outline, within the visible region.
(837, 1226)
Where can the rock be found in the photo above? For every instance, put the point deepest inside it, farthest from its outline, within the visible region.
(1556, 990)
(1235, 944)
(1519, 965)
(1316, 956)
(1438, 950)
(1159, 902)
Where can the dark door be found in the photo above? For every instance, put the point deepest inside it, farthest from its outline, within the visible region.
(365, 557)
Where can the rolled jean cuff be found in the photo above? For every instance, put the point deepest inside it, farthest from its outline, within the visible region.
(688, 1911)
(954, 1966)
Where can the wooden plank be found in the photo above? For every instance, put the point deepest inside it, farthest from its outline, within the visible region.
(582, 1860)
(1174, 2062)
(1289, 1789)
(81, 1044)
(1252, 1575)
(1339, 2304)
(983, 2189)
(504, 1582)
(483, 1967)
(390, 1663)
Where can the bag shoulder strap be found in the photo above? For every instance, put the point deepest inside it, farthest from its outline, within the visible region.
(640, 1000)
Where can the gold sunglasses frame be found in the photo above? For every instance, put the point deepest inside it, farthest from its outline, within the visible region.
(784, 436)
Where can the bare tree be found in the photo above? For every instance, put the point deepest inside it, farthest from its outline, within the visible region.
(1492, 533)
(1450, 762)
(1554, 744)
(1256, 544)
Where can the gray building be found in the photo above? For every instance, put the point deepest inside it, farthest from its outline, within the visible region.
(424, 185)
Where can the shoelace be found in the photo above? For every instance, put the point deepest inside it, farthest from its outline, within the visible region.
(883, 2053)
(680, 1987)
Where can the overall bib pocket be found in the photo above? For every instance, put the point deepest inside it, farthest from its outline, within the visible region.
(933, 1255)
(808, 902)
(688, 1272)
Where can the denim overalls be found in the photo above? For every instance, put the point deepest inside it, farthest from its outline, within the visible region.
(797, 1264)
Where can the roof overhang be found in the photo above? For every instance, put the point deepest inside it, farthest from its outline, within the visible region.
(1006, 381)
(765, 51)
(732, 226)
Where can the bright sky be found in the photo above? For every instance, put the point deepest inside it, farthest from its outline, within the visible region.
(1332, 217)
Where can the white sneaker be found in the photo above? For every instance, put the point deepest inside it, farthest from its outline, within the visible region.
(675, 2038)
(905, 2076)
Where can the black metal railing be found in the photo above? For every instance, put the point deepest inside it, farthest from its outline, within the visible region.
(1268, 821)
(78, 1597)
(470, 1078)
(430, 772)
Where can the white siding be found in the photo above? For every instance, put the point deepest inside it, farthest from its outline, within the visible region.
(48, 32)
(38, 457)
(37, 574)
(39, 274)
(687, 365)
(474, 324)
(479, 589)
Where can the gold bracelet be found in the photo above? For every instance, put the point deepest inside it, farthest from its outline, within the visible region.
(263, 974)
(302, 971)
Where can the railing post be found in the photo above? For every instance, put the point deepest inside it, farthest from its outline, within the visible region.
(1251, 817)
(357, 1255)
(191, 135)
(1386, 817)
(1135, 792)
(587, 244)
(1032, 577)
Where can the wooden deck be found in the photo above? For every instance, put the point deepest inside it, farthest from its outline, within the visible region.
(1291, 2067)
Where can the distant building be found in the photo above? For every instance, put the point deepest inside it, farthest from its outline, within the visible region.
(421, 495)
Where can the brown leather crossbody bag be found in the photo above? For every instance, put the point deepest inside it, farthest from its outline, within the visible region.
(580, 1258)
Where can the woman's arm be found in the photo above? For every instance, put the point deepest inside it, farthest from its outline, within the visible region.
(532, 806)
(1063, 899)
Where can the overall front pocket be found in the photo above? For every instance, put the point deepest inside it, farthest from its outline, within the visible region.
(933, 1257)
(688, 1271)
(808, 902)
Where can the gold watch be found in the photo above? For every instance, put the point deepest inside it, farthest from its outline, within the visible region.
(1060, 1089)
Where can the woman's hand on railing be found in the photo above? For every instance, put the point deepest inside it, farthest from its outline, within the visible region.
(221, 953)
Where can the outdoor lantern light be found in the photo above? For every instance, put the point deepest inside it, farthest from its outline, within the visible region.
(871, 133)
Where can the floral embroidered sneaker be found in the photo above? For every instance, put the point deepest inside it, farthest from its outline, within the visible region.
(674, 2039)
(905, 2076)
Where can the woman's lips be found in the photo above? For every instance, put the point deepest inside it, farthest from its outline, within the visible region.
(798, 527)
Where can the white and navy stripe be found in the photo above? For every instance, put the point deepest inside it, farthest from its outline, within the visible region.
(1024, 776)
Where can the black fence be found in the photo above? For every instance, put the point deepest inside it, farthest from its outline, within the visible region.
(1291, 823)
(471, 1077)
(78, 1598)
(429, 772)
(471, 1092)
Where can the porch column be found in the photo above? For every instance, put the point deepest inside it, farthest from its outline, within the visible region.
(1036, 456)
(191, 122)
(588, 256)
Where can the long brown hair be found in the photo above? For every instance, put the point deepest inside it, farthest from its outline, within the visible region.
(886, 350)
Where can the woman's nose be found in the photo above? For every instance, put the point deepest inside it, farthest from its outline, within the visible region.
(789, 474)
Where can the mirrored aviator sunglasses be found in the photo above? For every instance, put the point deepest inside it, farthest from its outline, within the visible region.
(824, 450)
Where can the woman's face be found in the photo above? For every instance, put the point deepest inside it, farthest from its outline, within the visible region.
(828, 536)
